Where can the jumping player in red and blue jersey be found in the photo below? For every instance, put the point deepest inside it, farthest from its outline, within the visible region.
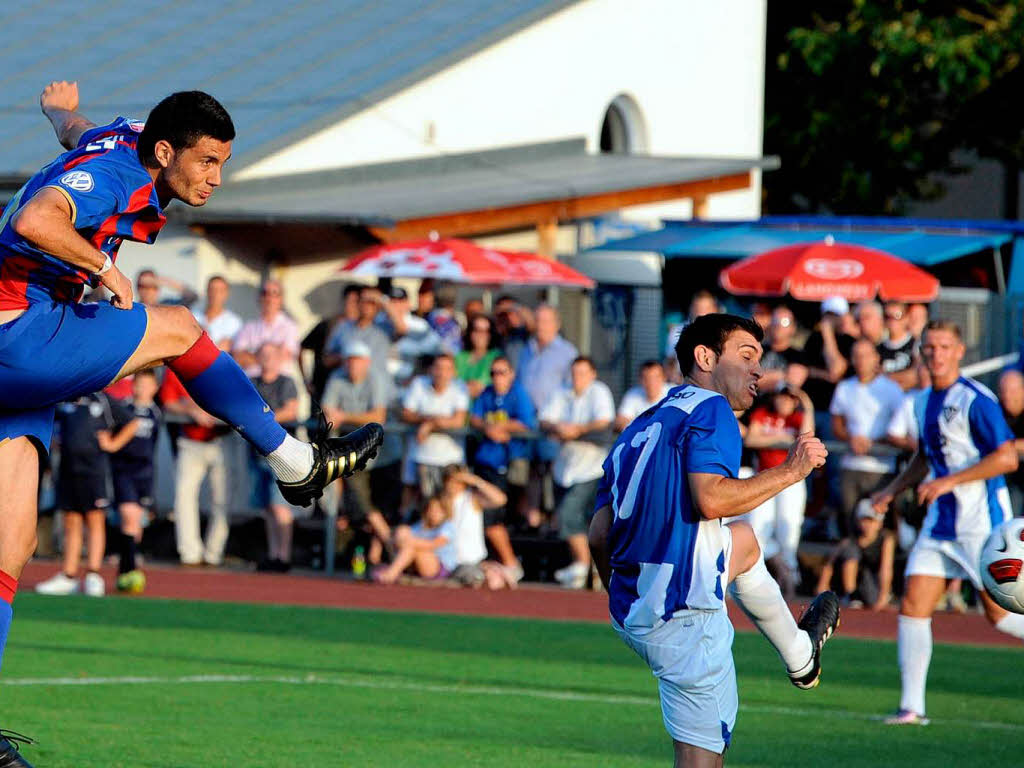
(59, 234)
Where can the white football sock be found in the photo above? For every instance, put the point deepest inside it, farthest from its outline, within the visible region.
(761, 599)
(1012, 624)
(292, 460)
(915, 653)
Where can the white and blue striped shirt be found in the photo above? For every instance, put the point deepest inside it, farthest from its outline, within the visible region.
(956, 428)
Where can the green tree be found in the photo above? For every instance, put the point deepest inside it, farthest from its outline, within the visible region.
(866, 100)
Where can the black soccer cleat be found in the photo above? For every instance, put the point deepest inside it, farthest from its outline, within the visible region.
(819, 621)
(333, 457)
(10, 756)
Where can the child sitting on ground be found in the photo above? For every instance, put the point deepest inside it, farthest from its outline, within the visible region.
(428, 546)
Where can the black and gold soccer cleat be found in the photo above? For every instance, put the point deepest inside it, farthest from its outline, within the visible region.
(10, 756)
(334, 457)
(819, 621)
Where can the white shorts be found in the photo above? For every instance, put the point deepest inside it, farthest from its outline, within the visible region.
(958, 559)
(691, 657)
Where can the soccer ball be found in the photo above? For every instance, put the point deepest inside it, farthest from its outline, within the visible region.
(1002, 559)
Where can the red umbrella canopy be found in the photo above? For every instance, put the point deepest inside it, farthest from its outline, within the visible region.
(461, 261)
(815, 271)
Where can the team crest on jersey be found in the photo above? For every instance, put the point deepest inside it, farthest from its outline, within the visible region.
(80, 181)
(136, 125)
(949, 411)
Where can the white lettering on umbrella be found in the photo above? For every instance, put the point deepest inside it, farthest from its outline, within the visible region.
(833, 269)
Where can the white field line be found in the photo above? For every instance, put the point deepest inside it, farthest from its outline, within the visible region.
(472, 690)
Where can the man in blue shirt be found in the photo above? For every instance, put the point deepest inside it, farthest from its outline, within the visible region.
(665, 556)
(502, 411)
(964, 449)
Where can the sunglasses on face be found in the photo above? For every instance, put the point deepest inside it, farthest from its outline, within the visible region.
(500, 371)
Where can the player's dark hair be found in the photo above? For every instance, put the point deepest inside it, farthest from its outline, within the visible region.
(712, 331)
(182, 119)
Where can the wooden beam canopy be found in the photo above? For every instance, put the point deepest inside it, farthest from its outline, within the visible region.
(543, 214)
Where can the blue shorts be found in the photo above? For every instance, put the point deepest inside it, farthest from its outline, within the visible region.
(56, 352)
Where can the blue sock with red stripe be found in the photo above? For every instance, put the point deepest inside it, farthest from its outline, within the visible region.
(213, 379)
(8, 586)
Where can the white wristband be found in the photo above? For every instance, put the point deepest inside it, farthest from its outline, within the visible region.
(107, 264)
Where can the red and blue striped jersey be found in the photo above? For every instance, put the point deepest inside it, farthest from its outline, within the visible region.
(112, 199)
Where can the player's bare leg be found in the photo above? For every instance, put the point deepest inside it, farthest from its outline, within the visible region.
(920, 597)
(19, 488)
(690, 756)
(220, 387)
(757, 593)
(1010, 623)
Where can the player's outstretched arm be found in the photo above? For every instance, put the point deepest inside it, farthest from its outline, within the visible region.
(717, 496)
(59, 102)
(914, 473)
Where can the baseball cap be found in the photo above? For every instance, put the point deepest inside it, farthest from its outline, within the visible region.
(835, 305)
(864, 509)
(397, 293)
(357, 349)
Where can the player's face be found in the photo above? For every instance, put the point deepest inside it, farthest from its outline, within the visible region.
(193, 173)
(738, 369)
(942, 352)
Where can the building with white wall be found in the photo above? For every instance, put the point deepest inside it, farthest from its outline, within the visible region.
(355, 101)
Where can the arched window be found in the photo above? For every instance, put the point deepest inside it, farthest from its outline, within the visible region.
(623, 130)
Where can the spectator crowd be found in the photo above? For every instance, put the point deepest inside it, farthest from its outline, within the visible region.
(496, 432)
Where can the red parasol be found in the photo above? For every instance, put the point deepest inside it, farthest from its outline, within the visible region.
(815, 271)
(461, 261)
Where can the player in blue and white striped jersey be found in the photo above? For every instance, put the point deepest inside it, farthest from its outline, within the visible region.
(964, 449)
(666, 557)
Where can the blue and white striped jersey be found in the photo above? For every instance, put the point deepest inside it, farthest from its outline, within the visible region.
(956, 428)
(664, 557)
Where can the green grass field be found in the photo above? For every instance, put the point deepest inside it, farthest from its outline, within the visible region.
(204, 684)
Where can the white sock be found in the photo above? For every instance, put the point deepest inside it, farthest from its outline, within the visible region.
(759, 596)
(915, 653)
(1012, 624)
(292, 460)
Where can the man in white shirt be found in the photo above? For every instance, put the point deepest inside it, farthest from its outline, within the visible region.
(273, 326)
(652, 388)
(435, 403)
(862, 408)
(217, 320)
(578, 418)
